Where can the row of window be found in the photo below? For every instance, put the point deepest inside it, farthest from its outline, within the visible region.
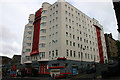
(80, 55)
(42, 45)
(27, 50)
(53, 20)
(53, 27)
(42, 54)
(80, 46)
(42, 31)
(79, 38)
(78, 28)
(56, 6)
(53, 14)
(28, 38)
(53, 42)
(53, 53)
(28, 44)
(79, 32)
(53, 35)
(77, 12)
(42, 37)
(78, 19)
(37, 57)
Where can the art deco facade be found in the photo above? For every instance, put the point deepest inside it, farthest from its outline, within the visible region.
(66, 38)
(67, 32)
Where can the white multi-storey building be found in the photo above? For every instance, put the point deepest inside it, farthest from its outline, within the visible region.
(63, 35)
(27, 39)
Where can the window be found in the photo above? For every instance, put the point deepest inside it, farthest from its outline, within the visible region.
(94, 58)
(73, 43)
(73, 29)
(88, 56)
(65, 5)
(67, 34)
(70, 43)
(49, 53)
(43, 54)
(66, 19)
(87, 47)
(70, 27)
(56, 18)
(70, 35)
(80, 32)
(28, 44)
(56, 52)
(49, 36)
(90, 42)
(78, 45)
(72, 22)
(81, 45)
(28, 38)
(56, 26)
(78, 38)
(69, 20)
(27, 50)
(70, 53)
(97, 57)
(67, 52)
(56, 33)
(42, 31)
(42, 37)
(91, 56)
(29, 32)
(56, 12)
(43, 18)
(74, 54)
(71, 9)
(72, 16)
(66, 42)
(73, 36)
(31, 22)
(52, 53)
(66, 26)
(56, 5)
(44, 11)
(85, 55)
(55, 64)
(66, 12)
(53, 27)
(84, 40)
(79, 54)
(42, 45)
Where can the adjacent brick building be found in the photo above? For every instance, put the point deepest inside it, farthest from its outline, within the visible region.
(112, 50)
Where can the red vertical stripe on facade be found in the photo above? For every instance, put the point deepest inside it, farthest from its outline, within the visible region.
(43, 69)
(99, 44)
(40, 69)
(35, 48)
(46, 68)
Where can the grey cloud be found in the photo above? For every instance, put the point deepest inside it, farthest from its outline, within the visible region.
(7, 35)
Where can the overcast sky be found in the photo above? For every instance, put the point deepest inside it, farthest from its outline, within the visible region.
(14, 16)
